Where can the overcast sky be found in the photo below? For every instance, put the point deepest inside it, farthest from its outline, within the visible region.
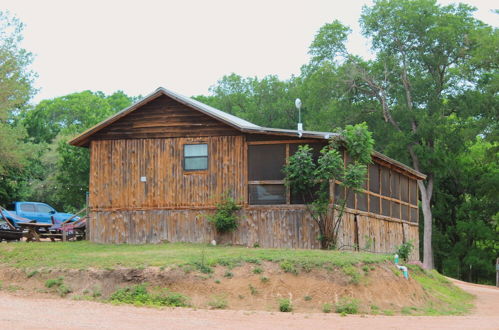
(186, 46)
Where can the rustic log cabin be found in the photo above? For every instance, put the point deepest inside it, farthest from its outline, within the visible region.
(160, 166)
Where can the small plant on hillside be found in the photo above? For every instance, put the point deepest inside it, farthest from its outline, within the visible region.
(285, 305)
(139, 295)
(228, 274)
(225, 217)
(307, 298)
(311, 179)
(327, 308)
(289, 267)
(264, 279)
(32, 273)
(347, 305)
(404, 250)
(55, 282)
(353, 273)
(218, 302)
(257, 270)
(253, 290)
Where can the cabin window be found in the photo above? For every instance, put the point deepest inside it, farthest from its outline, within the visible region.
(195, 157)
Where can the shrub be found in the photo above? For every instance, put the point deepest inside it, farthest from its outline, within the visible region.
(257, 270)
(55, 282)
(347, 305)
(353, 273)
(404, 250)
(218, 303)
(225, 218)
(327, 307)
(285, 305)
(138, 295)
(289, 267)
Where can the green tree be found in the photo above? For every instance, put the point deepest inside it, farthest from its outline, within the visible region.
(312, 179)
(63, 171)
(16, 88)
(423, 54)
(267, 102)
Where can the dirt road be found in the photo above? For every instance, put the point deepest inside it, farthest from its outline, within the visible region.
(36, 313)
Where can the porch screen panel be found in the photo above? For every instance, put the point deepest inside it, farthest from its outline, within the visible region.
(385, 207)
(265, 162)
(405, 212)
(374, 178)
(395, 210)
(351, 200)
(414, 214)
(404, 188)
(413, 192)
(374, 204)
(385, 181)
(267, 194)
(394, 180)
(362, 202)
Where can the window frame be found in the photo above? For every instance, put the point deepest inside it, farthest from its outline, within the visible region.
(184, 157)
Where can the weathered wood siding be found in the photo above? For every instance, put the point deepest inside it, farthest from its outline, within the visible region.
(269, 227)
(162, 118)
(118, 165)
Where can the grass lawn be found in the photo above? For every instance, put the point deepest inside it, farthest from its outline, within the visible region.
(78, 255)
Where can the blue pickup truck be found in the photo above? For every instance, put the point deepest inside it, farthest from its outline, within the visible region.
(40, 212)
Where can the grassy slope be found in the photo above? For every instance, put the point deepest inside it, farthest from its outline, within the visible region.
(447, 298)
(77, 255)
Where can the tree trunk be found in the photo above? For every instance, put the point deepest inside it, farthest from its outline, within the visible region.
(428, 223)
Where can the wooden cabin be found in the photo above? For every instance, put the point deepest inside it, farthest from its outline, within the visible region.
(160, 166)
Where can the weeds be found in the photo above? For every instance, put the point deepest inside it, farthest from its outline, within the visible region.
(347, 305)
(327, 308)
(307, 298)
(257, 270)
(139, 295)
(253, 290)
(285, 305)
(354, 274)
(55, 282)
(32, 273)
(218, 302)
(264, 279)
(289, 267)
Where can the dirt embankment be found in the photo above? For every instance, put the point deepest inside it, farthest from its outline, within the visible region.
(249, 287)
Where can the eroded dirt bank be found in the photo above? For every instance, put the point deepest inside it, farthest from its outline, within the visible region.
(377, 289)
(42, 313)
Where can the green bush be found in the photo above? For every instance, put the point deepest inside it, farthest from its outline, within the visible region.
(285, 305)
(326, 308)
(138, 295)
(55, 282)
(218, 303)
(289, 267)
(347, 305)
(225, 218)
(404, 250)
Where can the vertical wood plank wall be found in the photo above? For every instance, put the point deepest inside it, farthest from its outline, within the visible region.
(267, 227)
(118, 165)
(172, 204)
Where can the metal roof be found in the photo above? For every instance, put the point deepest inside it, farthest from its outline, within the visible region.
(236, 122)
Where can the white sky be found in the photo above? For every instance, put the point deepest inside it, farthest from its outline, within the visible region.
(186, 46)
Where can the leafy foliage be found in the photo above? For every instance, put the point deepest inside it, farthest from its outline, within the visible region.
(312, 179)
(139, 295)
(404, 250)
(225, 218)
